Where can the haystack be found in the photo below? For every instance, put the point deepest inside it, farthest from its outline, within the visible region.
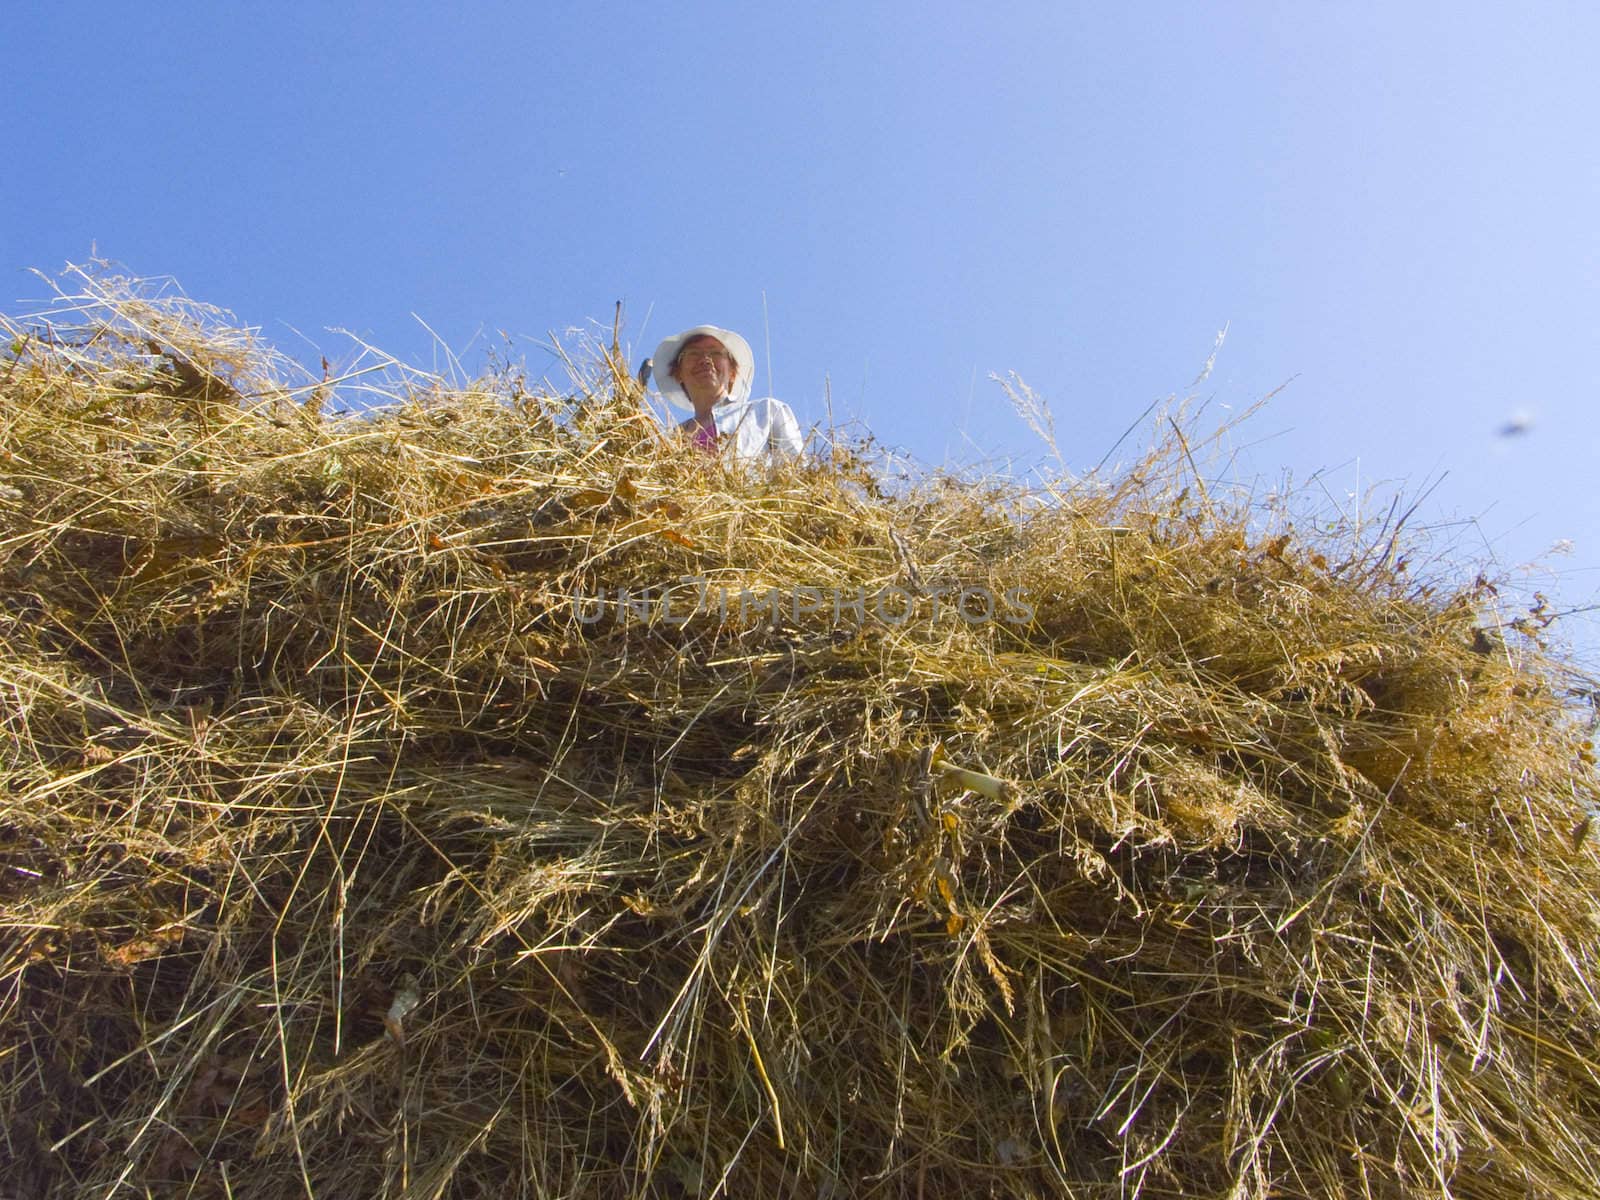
(482, 797)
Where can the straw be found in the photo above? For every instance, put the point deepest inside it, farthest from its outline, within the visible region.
(484, 795)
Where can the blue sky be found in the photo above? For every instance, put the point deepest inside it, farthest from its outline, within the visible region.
(1393, 205)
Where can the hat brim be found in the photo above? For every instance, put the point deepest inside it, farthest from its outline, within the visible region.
(667, 354)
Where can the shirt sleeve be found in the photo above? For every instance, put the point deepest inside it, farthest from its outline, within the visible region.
(784, 437)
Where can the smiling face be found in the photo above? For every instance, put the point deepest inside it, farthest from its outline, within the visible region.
(705, 370)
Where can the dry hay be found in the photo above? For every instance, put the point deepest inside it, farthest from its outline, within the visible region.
(351, 849)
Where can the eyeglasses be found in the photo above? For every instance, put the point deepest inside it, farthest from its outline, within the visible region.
(687, 356)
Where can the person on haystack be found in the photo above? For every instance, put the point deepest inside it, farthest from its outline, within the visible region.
(710, 370)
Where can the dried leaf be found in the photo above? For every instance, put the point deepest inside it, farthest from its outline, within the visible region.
(142, 949)
(406, 999)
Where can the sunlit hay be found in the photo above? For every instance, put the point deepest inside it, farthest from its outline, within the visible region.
(483, 796)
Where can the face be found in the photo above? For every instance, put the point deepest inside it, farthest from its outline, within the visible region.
(705, 368)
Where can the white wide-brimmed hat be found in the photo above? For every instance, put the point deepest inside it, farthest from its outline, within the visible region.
(667, 353)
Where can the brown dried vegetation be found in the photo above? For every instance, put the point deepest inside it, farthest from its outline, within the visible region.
(349, 848)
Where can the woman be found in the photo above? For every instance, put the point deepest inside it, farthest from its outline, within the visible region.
(710, 370)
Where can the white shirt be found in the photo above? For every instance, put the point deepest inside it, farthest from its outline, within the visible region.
(763, 429)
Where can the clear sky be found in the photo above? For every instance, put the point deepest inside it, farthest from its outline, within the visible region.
(1395, 205)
